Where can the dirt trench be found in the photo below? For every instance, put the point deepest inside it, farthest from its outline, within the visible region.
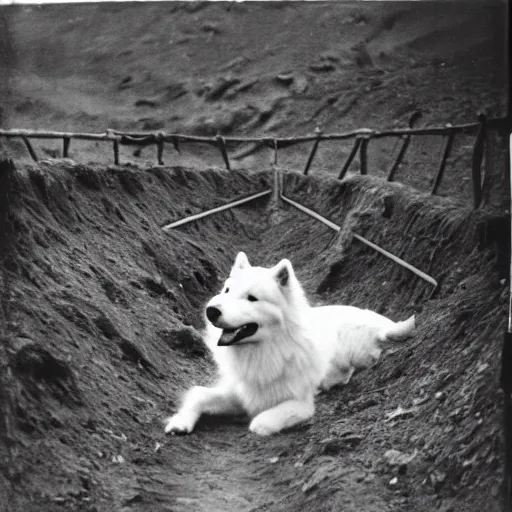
(101, 318)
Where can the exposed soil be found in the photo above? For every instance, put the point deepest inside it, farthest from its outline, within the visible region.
(101, 309)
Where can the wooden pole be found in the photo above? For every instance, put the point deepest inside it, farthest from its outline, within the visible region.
(363, 155)
(116, 151)
(469, 128)
(65, 146)
(221, 142)
(476, 165)
(313, 151)
(406, 140)
(446, 153)
(227, 206)
(30, 148)
(349, 159)
(160, 148)
(375, 247)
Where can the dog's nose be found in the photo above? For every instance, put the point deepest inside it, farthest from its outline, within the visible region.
(212, 313)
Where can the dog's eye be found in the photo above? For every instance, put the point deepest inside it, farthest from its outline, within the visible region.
(251, 298)
(226, 290)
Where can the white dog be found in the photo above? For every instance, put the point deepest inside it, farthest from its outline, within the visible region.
(274, 351)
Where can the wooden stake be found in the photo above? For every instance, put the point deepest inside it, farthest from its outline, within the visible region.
(313, 151)
(406, 139)
(476, 165)
(30, 148)
(222, 146)
(446, 153)
(363, 155)
(116, 152)
(65, 147)
(160, 148)
(349, 159)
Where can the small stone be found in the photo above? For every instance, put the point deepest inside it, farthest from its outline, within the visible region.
(211, 27)
(401, 412)
(437, 478)
(393, 481)
(419, 400)
(285, 78)
(273, 460)
(322, 67)
(329, 57)
(396, 458)
(300, 84)
(482, 368)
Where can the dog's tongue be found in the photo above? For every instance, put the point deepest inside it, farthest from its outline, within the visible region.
(232, 336)
(228, 336)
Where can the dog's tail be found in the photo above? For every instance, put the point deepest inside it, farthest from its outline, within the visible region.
(400, 330)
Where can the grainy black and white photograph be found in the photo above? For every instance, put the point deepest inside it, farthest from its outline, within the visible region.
(255, 256)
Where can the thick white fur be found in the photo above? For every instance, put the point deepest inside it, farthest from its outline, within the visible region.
(273, 375)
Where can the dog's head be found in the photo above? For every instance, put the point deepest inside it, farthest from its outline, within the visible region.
(252, 301)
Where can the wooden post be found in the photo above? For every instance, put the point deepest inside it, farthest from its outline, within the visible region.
(363, 155)
(446, 153)
(349, 159)
(65, 147)
(30, 148)
(115, 144)
(489, 144)
(160, 148)
(476, 165)
(313, 151)
(176, 144)
(406, 140)
(116, 152)
(222, 146)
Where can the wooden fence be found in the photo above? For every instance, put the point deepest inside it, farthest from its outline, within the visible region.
(362, 139)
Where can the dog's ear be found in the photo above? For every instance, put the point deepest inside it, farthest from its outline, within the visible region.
(282, 272)
(241, 262)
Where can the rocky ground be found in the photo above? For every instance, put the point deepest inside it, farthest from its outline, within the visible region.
(101, 308)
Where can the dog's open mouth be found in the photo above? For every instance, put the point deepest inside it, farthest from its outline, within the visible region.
(232, 336)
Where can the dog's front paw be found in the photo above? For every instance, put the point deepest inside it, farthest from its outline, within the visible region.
(262, 428)
(179, 424)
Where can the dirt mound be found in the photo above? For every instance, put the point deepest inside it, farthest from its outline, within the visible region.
(101, 331)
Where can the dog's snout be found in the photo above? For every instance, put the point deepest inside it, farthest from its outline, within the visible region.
(212, 313)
